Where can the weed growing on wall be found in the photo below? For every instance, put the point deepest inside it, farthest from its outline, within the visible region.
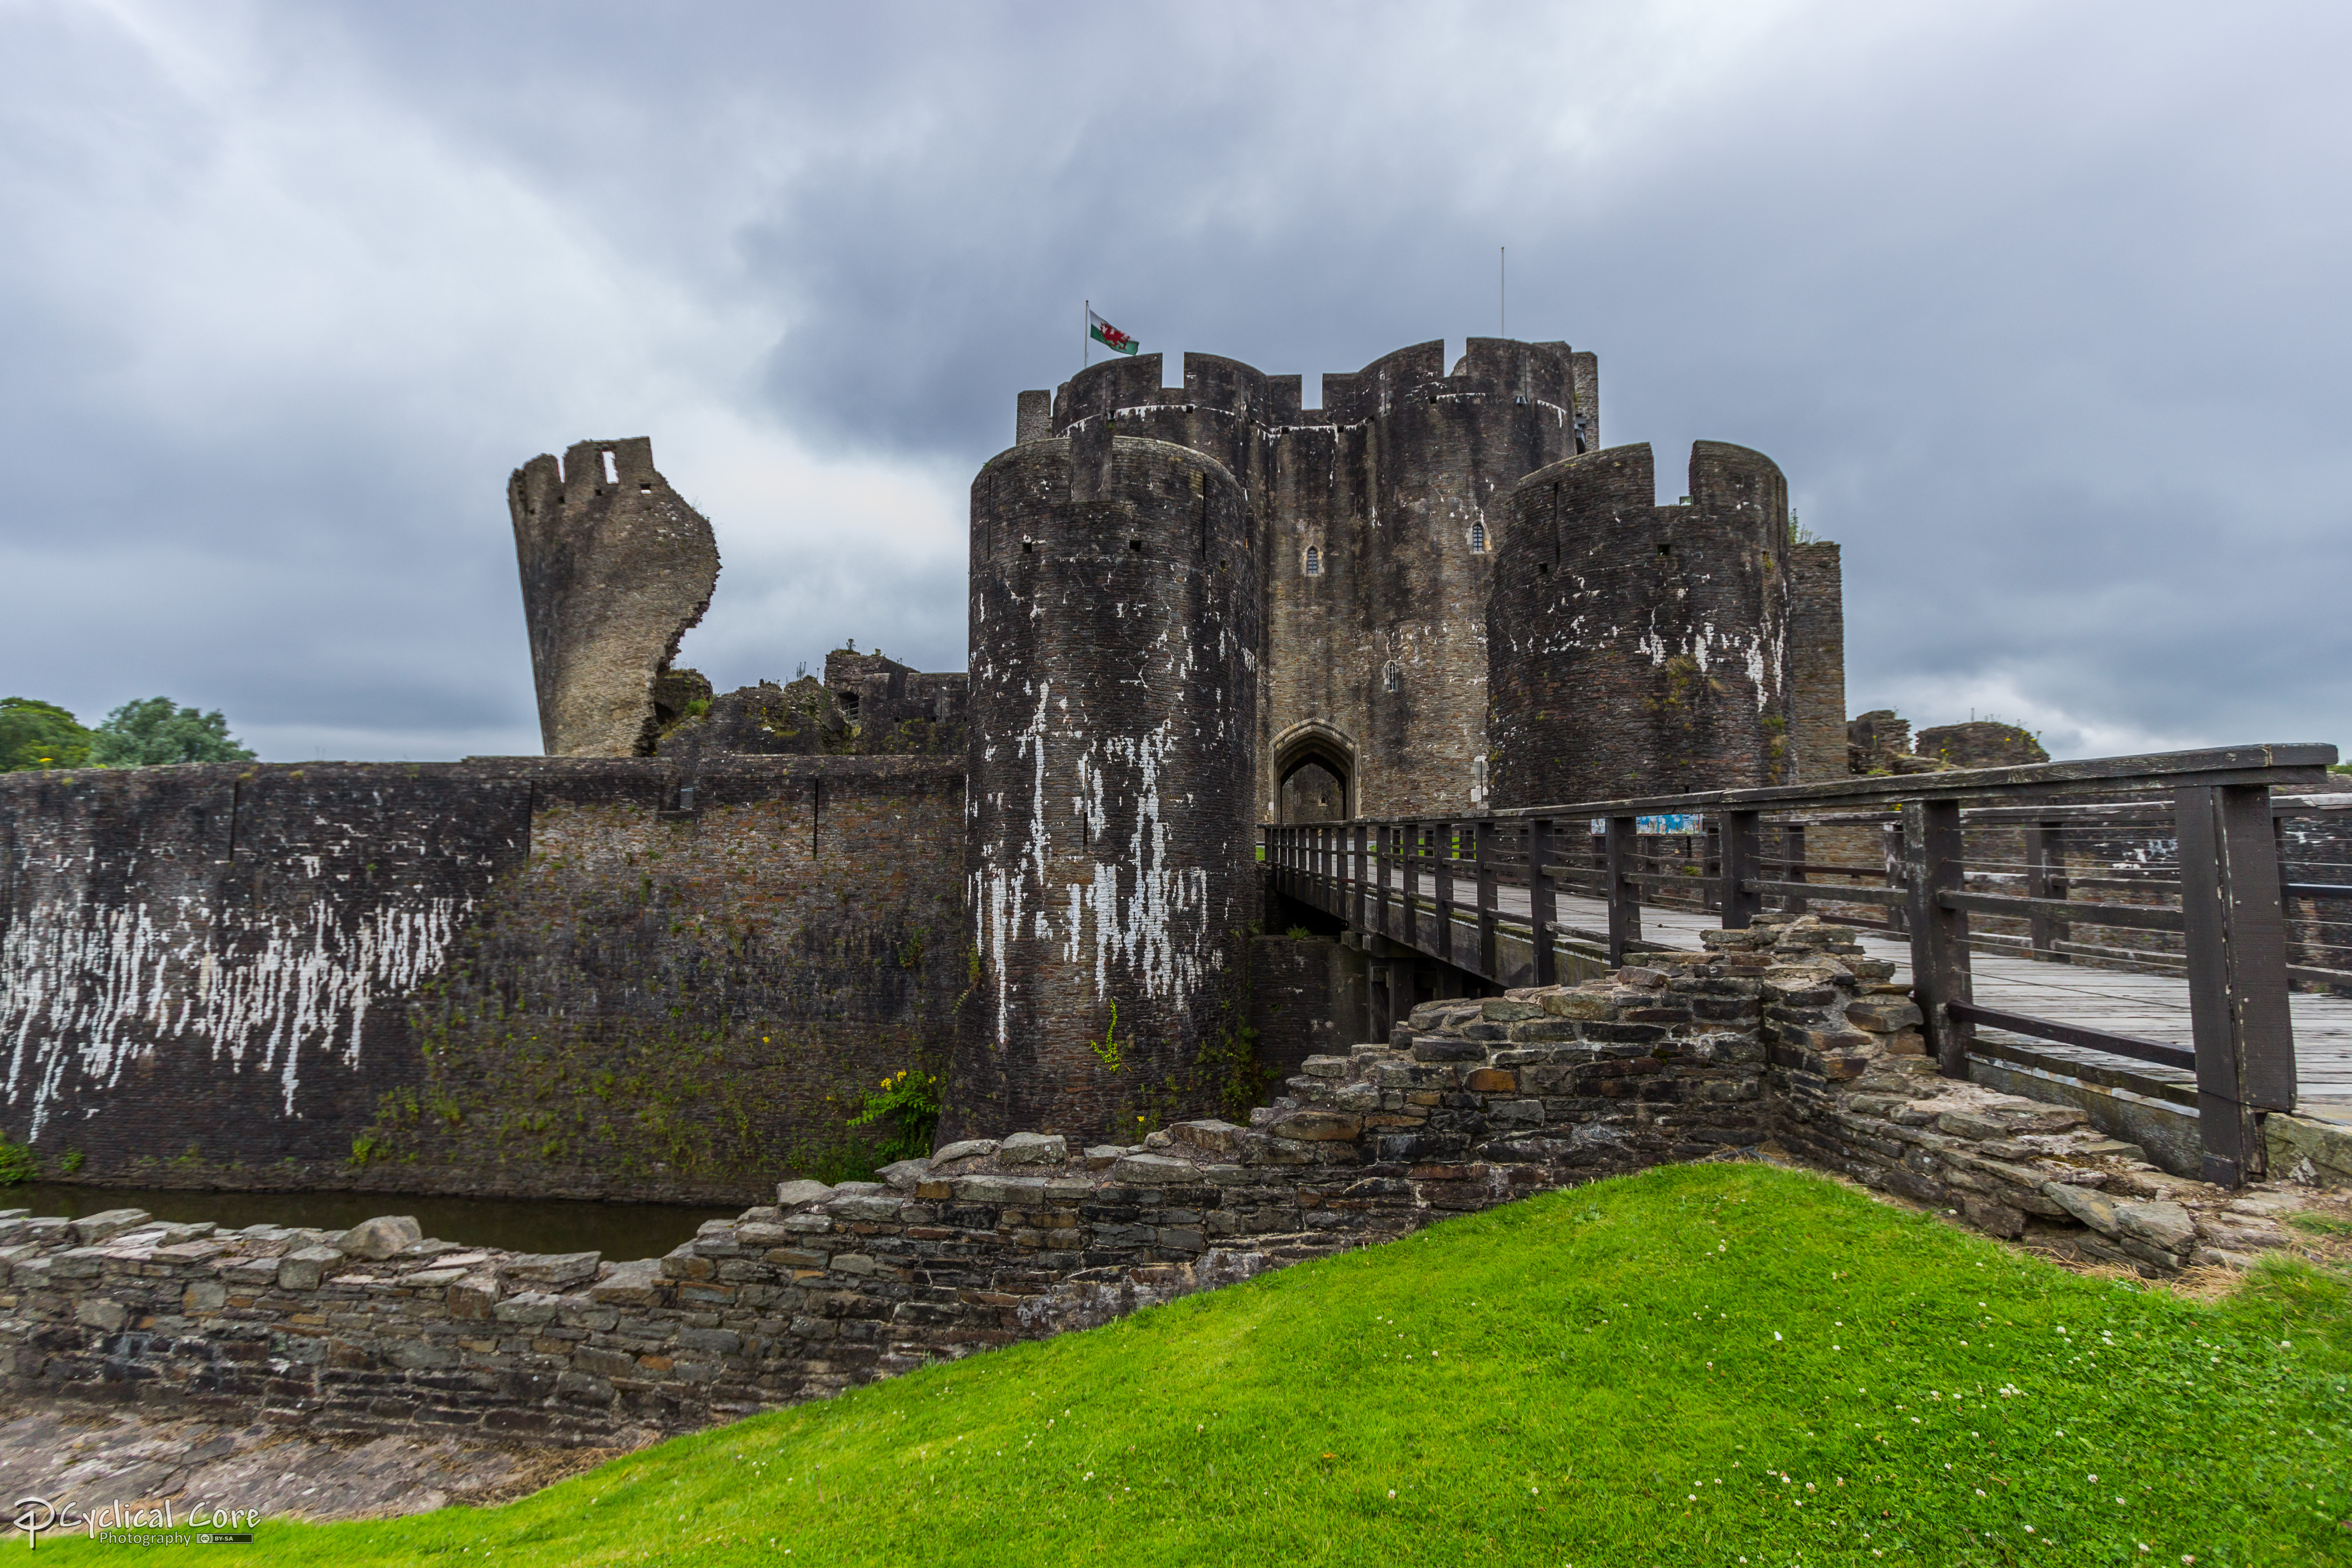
(1106, 1049)
(15, 1163)
(909, 1100)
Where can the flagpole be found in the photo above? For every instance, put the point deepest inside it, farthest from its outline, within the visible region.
(1086, 337)
(1503, 289)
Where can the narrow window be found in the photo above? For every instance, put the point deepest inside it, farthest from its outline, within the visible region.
(1314, 561)
(611, 469)
(1135, 544)
(1479, 539)
(1028, 548)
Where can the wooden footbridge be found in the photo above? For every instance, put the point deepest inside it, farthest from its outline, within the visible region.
(1987, 878)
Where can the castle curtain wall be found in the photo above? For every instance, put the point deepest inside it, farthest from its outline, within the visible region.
(512, 977)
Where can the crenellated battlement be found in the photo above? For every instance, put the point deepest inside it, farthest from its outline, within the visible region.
(1547, 374)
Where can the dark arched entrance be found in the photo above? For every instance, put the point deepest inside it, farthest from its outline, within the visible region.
(1315, 775)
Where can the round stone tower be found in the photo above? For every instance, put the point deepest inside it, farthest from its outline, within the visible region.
(1639, 649)
(1115, 634)
(1377, 515)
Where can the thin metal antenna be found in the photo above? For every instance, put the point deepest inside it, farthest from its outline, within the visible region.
(1501, 290)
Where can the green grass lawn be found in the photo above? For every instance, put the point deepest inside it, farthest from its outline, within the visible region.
(1701, 1364)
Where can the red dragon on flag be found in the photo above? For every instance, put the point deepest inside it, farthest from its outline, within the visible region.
(1110, 337)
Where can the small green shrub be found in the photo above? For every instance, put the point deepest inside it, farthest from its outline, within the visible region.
(911, 1097)
(71, 1164)
(365, 1147)
(15, 1163)
(1298, 934)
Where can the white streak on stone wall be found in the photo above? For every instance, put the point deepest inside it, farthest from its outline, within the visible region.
(1158, 928)
(997, 891)
(86, 990)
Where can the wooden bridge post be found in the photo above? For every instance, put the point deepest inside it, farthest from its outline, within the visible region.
(1740, 837)
(2046, 878)
(1383, 848)
(1356, 837)
(1792, 843)
(1482, 850)
(1932, 865)
(2237, 972)
(1444, 840)
(1624, 893)
(1413, 858)
(1543, 900)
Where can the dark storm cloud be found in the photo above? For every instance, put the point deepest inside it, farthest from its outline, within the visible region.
(2040, 309)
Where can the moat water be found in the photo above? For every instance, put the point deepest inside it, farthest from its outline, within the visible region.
(619, 1231)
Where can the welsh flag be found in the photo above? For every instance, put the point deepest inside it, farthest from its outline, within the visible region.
(1110, 337)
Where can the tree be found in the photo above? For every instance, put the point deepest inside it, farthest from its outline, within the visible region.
(36, 734)
(153, 732)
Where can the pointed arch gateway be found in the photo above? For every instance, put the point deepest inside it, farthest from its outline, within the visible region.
(1313, 774)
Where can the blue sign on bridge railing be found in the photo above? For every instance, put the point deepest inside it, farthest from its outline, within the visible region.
(1676, 822)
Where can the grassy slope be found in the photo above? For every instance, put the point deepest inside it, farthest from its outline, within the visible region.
(1624, 1374)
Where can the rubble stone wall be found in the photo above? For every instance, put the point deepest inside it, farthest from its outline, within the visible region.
(1779, 1033)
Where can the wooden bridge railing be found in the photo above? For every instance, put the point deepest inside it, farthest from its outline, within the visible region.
(1464, 889)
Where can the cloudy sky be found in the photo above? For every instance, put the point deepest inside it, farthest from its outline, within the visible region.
(2041, 307)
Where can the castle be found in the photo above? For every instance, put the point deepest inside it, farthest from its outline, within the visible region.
(662, 959)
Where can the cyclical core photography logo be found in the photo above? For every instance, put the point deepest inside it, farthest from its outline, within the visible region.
(122, 1524)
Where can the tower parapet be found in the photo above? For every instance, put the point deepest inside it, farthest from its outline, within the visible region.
(1637, 649)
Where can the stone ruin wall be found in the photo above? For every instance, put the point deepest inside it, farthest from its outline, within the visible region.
(588, 978)
(1782, 1032)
